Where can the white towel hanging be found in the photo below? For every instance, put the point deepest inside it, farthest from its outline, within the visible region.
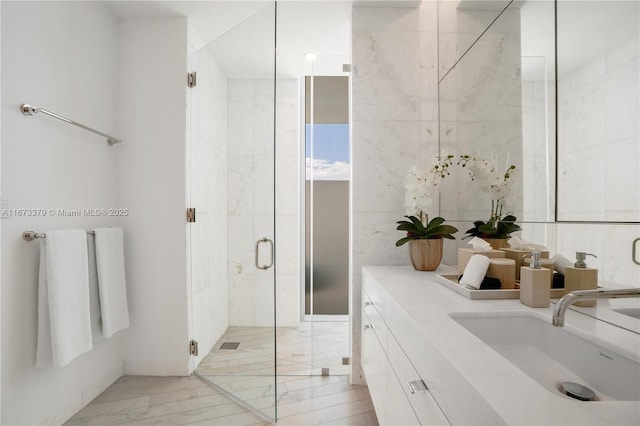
(64, 323)
(111, 280)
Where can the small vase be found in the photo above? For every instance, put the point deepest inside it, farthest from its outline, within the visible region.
(497, 243)
(426, 255)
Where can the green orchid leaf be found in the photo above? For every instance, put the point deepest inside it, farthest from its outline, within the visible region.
(487, 229)
(417, 223)
(403, 241)
(444, 231)
(416, 230)
(435, 222)
(406, 226)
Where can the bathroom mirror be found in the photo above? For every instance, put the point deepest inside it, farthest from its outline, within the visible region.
(460, 23)
(496, 101)
(598, 143)
(481, 112)
(598, 111)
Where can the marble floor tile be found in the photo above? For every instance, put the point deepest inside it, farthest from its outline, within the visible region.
(302, 399)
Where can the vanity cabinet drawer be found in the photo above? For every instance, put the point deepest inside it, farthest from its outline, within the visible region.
(390, 403)
(398, 410)
(420, 400)
(373, 293)
(388, 370)
(374, 366)
(375, 320)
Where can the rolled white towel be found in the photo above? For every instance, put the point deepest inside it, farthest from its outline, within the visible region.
(475, 271)
(560, 262)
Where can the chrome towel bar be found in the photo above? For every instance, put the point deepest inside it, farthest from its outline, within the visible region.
(31, 110)
(32, 235)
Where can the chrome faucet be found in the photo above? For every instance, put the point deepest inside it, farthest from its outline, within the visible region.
(575, 296)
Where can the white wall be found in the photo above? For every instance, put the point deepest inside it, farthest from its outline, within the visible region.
(151, 183)
(62, 56)
(207, 181)
(394, 110)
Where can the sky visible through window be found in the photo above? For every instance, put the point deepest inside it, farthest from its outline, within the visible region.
(330, 151)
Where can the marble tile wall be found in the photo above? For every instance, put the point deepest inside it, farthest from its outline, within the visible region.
(538, 147)
(599, 110)
(250, 201)
(394, 116)
(481, 108)
(395, 125)
(603, 124)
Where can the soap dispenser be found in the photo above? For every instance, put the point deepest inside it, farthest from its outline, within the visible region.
(579, 277)
(535, 287)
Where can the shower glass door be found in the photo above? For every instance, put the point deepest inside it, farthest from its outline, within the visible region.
(232, 250)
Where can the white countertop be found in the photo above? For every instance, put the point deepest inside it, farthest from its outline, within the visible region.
(516, 397)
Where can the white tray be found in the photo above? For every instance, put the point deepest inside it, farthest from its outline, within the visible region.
(451, 282)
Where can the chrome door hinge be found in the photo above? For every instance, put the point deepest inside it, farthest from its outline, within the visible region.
(193, 348)
(191, 79)
(191, 214)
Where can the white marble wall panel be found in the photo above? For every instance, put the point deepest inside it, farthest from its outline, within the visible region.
(387, 70)
(288, 260)
(384, 152)
(428, 76)
(287, 295)
(241, 299)
(240, 111)
(263, 184)
(394, 87)
(251, 201)
(240, 184)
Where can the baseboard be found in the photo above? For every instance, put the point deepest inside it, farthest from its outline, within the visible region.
(156, 369)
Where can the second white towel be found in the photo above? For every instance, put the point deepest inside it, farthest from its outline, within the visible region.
(111, 280)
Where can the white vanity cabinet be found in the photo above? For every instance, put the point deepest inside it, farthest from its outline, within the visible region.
(399, 394)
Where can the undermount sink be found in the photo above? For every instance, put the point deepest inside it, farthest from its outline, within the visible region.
(552, 355)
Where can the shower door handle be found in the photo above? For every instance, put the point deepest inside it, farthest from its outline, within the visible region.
(260, 241)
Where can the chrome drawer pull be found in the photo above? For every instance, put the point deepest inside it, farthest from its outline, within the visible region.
(368, 304)
(417, 385)
(368, 327)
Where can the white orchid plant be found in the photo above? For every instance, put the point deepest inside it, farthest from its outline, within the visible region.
(422, 185)
(499, 184)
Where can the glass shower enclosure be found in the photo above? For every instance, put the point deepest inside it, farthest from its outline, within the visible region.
(247, 167)
(232, 181)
